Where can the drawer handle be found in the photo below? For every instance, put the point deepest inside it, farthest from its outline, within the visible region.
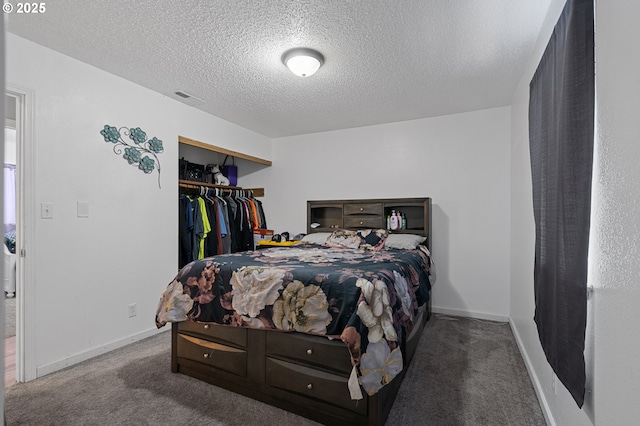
(206, 326)
(206, 356)
(309, 386)
(361, 223)
(309, 351)
(361, 209)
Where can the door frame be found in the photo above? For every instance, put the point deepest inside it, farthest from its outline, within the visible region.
(25, 232)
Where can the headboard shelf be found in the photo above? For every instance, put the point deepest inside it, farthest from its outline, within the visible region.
(370, 213)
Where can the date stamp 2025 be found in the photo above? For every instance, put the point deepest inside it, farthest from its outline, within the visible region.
(24, 8)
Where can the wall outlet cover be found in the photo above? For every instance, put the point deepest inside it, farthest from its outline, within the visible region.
(83, 209)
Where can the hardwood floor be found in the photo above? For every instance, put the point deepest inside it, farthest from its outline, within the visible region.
(9, 361)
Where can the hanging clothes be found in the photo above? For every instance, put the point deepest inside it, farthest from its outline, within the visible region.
(206, 227)
(217, 223)
(184, 249)
(211, 242)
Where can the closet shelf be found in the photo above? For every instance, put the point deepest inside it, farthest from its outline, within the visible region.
(206, 146)
(257, 192)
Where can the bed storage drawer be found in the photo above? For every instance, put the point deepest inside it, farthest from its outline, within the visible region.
(363, 208)
(235, 335)
(213, 354)
(363, 222)
(332, 354)
(313, 383)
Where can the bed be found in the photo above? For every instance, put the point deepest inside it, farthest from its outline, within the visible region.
(325, 329)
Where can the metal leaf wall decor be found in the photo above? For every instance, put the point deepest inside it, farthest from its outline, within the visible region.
(142, 153)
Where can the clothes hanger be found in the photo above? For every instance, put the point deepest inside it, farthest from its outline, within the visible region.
(222, 200)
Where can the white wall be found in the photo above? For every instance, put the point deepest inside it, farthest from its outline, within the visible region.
(87, 271)
(613, 330)
(460, 161)
(616, 260)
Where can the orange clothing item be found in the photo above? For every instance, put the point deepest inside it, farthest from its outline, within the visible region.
(254, 215)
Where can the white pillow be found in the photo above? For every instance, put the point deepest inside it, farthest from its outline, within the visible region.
(404, 241)
(316, 238)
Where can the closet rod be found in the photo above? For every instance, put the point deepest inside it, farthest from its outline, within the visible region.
(188, 184)
(191, 184)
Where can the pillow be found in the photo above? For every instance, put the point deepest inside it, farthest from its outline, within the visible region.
(316, 238)
(373, 239)
(343, 238)
(404, 241)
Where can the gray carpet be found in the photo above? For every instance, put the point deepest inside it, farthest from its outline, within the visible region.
(465, 372)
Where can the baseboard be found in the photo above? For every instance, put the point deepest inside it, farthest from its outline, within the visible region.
(469, 314)
(534, 377)
(45, 369)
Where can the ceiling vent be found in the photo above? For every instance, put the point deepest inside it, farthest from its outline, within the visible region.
(189, 97)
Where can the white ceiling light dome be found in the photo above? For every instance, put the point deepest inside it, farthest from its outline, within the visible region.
(302, 61)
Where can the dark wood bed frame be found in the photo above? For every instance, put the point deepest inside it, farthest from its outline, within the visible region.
(304, 374)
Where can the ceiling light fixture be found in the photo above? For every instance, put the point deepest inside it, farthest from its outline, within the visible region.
(302, 61)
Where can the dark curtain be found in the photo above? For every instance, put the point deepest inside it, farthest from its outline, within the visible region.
(561, 133)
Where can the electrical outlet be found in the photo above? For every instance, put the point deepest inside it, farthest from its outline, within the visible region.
(133, 310)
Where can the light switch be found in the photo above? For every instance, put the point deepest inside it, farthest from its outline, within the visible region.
(46, 210)
(83, 209)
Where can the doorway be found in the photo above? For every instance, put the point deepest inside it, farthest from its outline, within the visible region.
(10, 234)
(24, 358)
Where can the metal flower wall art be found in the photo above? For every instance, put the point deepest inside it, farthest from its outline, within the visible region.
(140, 152)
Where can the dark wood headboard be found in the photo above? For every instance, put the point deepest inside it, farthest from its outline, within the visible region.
(370, 214)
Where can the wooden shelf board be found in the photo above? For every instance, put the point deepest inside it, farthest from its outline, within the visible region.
(224, 151)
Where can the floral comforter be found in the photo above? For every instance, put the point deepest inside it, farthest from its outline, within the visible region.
(366, 298)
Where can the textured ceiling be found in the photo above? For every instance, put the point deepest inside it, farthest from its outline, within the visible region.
(385, 61)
